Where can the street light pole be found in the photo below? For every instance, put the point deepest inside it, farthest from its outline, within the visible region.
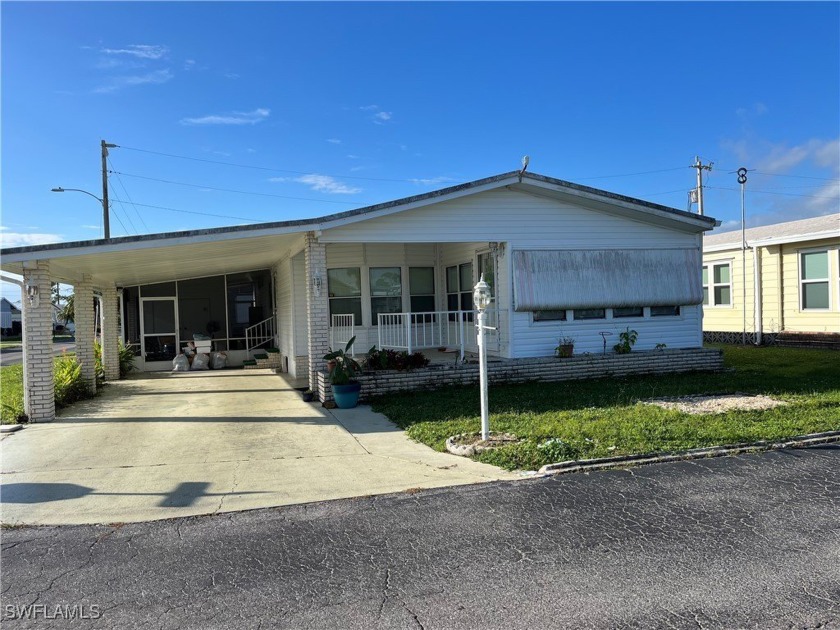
(103, 202)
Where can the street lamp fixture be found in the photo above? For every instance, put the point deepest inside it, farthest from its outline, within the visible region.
(482, 298)
(104, 204)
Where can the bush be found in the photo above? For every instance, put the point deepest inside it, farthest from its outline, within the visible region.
(68, 382)
(126, 360)
(394, 360)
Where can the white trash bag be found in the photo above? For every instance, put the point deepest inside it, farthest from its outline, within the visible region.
(201, 362)
(218, 360)
(181, 364)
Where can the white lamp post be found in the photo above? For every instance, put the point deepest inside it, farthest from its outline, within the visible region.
(481, 299)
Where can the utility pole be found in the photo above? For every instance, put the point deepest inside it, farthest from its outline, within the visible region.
(106, 221)
(742, 181)
(700, 168)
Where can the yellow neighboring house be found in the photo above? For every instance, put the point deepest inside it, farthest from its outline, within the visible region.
(796, 267)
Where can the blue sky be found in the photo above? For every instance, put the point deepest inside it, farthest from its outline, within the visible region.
(343, 105)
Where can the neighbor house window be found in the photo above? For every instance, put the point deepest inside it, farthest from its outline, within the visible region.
(421, 288)
(664, 311)
(813, 280)
(590, 313)
(344, 287)
(718, 292)
(385, 292)
(628, 311)
(549, 316)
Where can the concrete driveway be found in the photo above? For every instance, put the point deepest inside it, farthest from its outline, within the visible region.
(163, 445)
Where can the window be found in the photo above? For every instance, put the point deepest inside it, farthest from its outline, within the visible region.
(385, 292)
(459, 287)
(590, 313)
(629, 311)
(719, 291)
(486, 267)
(813, 280)
(549, 316)
(664, 311)
(421, 288)
(344, 287)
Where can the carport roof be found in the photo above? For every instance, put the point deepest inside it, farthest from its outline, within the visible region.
(175, 255)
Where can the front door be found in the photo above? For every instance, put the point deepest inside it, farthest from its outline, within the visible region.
(158, 333)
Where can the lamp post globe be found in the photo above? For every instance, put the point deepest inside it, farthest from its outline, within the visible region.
(481, 294)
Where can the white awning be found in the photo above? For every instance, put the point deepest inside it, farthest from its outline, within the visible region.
(549, 280)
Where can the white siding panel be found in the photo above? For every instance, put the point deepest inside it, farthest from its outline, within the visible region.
(285, 321)
(521, 219)
(538, 339)
(299, 298)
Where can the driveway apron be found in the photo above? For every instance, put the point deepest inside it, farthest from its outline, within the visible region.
(163, 445)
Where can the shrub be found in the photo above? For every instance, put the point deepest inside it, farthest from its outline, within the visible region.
(394, 360)
(126, 360)
(626, 341)
(68, 382)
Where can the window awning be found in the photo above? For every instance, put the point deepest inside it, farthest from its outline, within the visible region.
(547, 280)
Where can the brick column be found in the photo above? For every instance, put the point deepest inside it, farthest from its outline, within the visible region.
(38, 372)
(110, 334)
(317, 306)
(85, 329)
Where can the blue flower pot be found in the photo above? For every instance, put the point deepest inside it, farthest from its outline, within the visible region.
(346, 396)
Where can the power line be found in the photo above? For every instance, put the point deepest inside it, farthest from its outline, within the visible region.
(206, 214)
(769, 192)
(372, 179)
(241, 192)
(258, 168)
(125, 190)
(117, 216)
(828, 179)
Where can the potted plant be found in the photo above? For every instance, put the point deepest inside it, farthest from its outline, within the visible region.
(566, 347)
(308, 395)
(345, 389)
(626, 341)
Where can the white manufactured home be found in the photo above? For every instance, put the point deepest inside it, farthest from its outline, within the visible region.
(563, 260)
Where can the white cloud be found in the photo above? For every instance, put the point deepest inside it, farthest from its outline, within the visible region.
(91, 227)
(333, 140)
(369, 108)
(189, 64)
(117, 83)
(431, 181)
(320, 183)
(351, 156)
(381, 118)
(234, 118)
(20, 239)
(141, 51)
(231, 75)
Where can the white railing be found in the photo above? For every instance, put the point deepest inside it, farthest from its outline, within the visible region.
(342, 330)
(259, 334)
(436, 329)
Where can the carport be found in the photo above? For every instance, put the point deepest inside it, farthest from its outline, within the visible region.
(104, 268)
(160, 445)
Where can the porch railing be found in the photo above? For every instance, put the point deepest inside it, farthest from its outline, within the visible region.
(259, 335)
(415, 331)
(342, 330)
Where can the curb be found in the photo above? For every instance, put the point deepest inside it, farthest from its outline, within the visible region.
(10, 428)
(605, 463)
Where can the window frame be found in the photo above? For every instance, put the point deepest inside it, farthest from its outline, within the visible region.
(359, 297)
(826, 280)
(711, 285)
(374, 319)
(432, 295)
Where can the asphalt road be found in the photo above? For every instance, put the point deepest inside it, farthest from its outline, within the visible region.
(14, 356)
(740, 542)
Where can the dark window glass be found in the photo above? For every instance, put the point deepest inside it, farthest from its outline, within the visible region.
(201, 308)
(630, 311)
(590, 313)
(664, 311)
(549, 316)
(163, 289)
(344, 287)
(248, 300)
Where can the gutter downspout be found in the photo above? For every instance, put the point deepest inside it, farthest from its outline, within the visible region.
(757, 309)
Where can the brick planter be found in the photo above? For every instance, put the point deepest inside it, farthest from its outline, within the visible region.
(548, 369)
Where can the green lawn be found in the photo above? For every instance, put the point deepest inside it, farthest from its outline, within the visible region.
(602, 417)
(11, 393)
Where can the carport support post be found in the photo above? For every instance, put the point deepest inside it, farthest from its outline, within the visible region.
(38, 369)
(85, 329)
(110, 334)
(317, 306)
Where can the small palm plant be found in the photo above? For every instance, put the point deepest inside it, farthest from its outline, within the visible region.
(344, 367)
